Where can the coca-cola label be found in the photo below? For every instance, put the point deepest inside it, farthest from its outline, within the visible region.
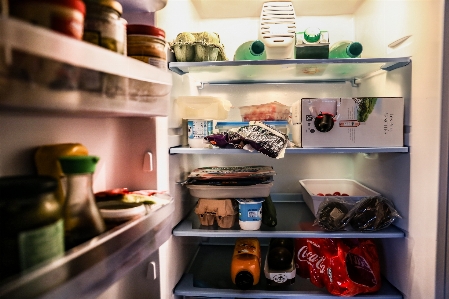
(313, 259)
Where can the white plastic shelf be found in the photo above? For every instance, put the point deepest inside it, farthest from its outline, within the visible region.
(210, 277)
(287, 71)
(90, 268)
(46, 71)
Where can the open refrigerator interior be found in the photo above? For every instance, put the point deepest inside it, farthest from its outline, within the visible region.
(141, 144)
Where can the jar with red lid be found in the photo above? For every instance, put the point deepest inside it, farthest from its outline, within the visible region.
(104, 26)
(64, 16)
(147, 43)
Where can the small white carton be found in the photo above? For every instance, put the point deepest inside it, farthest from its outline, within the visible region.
(353, 122)
(354, 190)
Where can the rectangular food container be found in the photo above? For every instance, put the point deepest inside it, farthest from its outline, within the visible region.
(268, 112)
(312, 187)
(202, 107)
(251, 191)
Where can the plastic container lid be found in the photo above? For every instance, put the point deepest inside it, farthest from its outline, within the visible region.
(75, 4)
(312, 34)
(78, 164)
(26, 186)
(145, 30)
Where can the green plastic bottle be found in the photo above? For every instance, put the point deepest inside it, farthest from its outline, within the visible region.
(251, 50)
(345, 49)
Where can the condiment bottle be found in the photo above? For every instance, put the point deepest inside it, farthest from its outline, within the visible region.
(82, 218)
(32, 229)
(245, 265)
(47, 163)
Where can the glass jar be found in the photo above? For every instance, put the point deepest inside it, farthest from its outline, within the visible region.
(32, 229)
(82, 219)
(147, 43)
(104, 26)
(64, 16)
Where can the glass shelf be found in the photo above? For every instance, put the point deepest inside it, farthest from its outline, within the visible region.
(287, 71)
(42, 70)
(296, 222)
(90, 268)
(308, 150)
(210, 277)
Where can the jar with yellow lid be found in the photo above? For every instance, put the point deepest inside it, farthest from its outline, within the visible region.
(104, 26)
(147, 43)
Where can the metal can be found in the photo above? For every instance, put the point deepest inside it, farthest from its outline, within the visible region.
(104, 26)
(64, 16)
(147, 43)
(32, 229)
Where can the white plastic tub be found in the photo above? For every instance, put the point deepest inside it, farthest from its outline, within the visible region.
(202, 107)
(354, 189)
(252, 191)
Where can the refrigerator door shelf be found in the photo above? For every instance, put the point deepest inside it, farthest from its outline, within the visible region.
(89, 269)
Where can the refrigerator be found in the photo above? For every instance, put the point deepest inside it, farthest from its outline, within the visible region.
(132, 124)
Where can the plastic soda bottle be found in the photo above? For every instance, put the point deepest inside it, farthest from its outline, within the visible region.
(345, 49)
(251, 50)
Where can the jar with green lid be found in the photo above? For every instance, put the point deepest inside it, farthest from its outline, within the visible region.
(104, 26)
(312, 43)
(32, 229)
(82, 219)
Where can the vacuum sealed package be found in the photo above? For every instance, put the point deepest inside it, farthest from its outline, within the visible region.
(332, 214)
(345, 267)
(256, 136)
(372, 214)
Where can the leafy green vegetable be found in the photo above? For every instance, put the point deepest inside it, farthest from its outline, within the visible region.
(365, 107)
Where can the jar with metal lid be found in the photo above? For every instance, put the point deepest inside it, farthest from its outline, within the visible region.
(147, 43)
(104, 26)
(64, 16)
(32, 229)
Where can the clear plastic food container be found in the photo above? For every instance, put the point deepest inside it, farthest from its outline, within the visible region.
(265, 112)
(202, 107)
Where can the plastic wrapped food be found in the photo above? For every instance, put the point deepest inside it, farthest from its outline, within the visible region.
(373, 213)
(256, 136)
(346, 267)
(332, 214)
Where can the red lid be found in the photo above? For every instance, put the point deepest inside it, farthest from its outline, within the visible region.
(145, 30)
(75, 4)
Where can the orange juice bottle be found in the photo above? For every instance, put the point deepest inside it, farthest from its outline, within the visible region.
(245, 265)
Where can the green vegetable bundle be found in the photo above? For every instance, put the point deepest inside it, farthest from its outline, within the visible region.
(365, 107)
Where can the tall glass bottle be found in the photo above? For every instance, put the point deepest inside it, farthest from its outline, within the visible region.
(345, 49)
(82, 219)
(251, 50)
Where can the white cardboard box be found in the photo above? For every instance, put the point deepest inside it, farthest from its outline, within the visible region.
(352, 122)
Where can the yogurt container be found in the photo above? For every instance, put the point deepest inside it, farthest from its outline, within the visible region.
(250, 213)
(197, 130)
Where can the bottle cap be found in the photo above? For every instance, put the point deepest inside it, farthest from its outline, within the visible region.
(312, 34)
(26, 186)
(257, 47)
(78, 164)
(244, 280)
(354, 49)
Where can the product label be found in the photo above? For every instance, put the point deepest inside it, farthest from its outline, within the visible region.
(39, 245)
(250, 212)
(198, 129)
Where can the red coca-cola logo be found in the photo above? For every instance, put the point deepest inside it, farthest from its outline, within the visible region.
(313, 259)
